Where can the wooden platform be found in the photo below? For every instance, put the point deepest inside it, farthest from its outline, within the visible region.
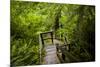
(51, 55)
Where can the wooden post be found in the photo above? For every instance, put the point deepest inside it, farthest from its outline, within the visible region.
(40, 49)
(42, 40)
(52, 37)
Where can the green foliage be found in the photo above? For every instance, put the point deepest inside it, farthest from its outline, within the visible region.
(28, 19)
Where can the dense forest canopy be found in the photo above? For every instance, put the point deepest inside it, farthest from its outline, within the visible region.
(29, 19)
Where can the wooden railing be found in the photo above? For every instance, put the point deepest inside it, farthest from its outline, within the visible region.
(50, 33)
(62, 49)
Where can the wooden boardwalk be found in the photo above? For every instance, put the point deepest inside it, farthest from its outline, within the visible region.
(56, 51)
(51, 55)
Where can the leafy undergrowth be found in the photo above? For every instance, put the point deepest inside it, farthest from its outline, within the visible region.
(23, 53)
(74, 23)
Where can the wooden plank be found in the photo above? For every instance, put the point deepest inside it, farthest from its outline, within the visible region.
(51, 56)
